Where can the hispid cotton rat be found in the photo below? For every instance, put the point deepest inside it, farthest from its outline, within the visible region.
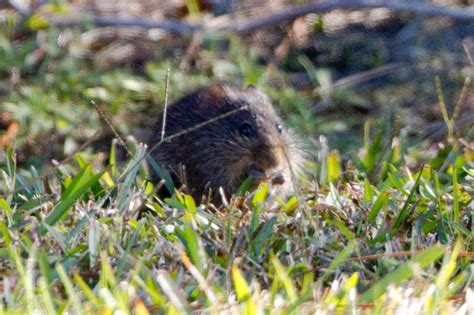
(222, 151)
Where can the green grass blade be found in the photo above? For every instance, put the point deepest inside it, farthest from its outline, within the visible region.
(381, 201)
(242, 289)
(402, 215)
(69, 288)
(88, 293)
(162, 173)
(65, 203)
(29, 280)
(81, 177)
(403, 272)
(169, 289)
(343, 229)
(46, 297)
(339, 259)
(287, 282)
(129, 177)
(132, 241)
(263, 236)
(368, 191)
(5, 206)
(456, 194)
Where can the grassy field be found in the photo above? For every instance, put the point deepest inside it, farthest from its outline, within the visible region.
(383, 221)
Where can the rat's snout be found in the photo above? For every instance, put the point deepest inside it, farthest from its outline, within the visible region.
(269, 165)
(275, 176)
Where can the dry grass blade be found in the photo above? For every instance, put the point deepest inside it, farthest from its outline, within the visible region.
(169, 289)
(165, 107)
(203, 283)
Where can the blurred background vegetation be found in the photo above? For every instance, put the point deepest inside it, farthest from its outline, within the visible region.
(329, 73)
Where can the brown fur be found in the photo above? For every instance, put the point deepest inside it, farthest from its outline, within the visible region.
(219, 154)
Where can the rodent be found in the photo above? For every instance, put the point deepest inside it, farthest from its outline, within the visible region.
(250, 140)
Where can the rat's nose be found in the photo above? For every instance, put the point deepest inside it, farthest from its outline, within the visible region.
(278, 179)
(275, 176)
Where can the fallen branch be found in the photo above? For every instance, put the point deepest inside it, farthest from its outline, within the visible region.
(228, 23)
(291, 13)
(102, 21)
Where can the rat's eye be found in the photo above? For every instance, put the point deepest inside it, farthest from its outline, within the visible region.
(279, 128)
(246, 130)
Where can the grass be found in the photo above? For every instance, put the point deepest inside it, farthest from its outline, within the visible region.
(79, 242)
(385, 227)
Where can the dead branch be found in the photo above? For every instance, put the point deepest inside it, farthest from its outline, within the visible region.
(103, 21)
(291, 13)
(228, 23)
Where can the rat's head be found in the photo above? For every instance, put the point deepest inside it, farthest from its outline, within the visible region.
(252, 141)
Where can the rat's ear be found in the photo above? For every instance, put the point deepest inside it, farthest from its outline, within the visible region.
(256, 92)
(212, 97)
(216, 90)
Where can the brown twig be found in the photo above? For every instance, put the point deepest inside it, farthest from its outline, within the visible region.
(111, 127)
(203, 282)
(371, 74)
